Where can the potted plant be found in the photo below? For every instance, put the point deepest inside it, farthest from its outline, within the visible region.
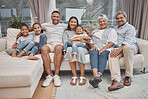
(16, 23)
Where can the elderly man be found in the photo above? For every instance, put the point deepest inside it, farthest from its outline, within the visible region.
(102, 43)
(126, 47)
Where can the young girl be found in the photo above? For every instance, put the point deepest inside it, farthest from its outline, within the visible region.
(39, 40)
(25, 42)
(78, 40)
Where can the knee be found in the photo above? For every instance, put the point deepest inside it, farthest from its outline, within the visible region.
(73, 45)
(93, 52)
(44, 49)
(104, 53)
(43, 35)
(127, 49)
(58, 49)
(31, 42)
(66, 42)
(69, 49)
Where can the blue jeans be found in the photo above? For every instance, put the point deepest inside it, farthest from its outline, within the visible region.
(98, 61)
(74, 46)
(42, 42)
(25, 45)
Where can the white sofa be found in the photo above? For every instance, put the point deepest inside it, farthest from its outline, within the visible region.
(19, 77)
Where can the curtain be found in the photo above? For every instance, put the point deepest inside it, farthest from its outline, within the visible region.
(137, 12)
(41, 10)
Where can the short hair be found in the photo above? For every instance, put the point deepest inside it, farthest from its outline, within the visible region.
(102, 16)
(56, 12)
(23, 24)
(78, 26)
(123, 13)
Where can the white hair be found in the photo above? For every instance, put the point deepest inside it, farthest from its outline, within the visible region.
(102, 16)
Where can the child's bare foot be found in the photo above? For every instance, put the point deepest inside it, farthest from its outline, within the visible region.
(73, 60)
(32, 58)
(21, 54)
(14, 54)
(39, 52)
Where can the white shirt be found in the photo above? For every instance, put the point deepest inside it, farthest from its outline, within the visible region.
(37, 38)
(111, 38)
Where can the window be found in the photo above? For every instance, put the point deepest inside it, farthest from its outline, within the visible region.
(13, 8)
(87, 11)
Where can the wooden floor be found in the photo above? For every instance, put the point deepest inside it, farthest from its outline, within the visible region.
(44, 93)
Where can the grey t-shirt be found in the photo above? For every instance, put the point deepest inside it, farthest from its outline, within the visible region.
(54, 32)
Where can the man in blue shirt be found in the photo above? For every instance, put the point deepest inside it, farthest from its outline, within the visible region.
(126, 47)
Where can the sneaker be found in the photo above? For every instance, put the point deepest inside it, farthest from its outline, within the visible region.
(48, 80)
(95, 82)
(57, 81)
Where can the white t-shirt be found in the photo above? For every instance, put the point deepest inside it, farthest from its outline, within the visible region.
(21, 39)
(81, 35)
(36, 38)
(54, 32)
(111, 38)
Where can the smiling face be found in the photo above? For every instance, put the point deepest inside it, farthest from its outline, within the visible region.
(37, 29)
(103, 23)
(73, 23)
(55, 18)
(24, 30)
(79, 30)
(121, 20)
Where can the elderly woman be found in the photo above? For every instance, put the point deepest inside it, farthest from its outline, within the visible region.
(72, 23)
(102, 43)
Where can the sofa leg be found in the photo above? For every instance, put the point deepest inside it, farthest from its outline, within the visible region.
(143, 70)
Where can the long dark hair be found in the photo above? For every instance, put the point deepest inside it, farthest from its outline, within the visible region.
(39, 25)
(73, 17)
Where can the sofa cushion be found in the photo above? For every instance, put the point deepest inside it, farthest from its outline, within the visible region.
(16, 72)
(11, 36)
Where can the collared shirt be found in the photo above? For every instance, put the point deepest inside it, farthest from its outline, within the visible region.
(126, 34)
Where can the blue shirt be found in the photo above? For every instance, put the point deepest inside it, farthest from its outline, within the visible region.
(21, 39)
(126, 35)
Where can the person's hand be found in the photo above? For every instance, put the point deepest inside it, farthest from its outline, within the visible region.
(14, 45)
(80, 39)
(94, 48)
(101, 50)
(36, 42)
(115, 53)
(19, 35)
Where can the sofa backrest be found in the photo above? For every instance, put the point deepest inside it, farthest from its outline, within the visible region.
(11, 37)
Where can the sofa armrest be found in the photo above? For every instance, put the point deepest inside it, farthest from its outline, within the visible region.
(143, 49)
(2, 44)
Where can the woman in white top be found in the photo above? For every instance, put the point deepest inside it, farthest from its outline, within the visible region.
(103, 40)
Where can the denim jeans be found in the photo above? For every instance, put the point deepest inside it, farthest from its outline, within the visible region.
(74, 46)
(25, 45)
(42, 42)
(98, 61)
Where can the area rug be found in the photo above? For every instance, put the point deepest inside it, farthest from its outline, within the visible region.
(137, 90)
